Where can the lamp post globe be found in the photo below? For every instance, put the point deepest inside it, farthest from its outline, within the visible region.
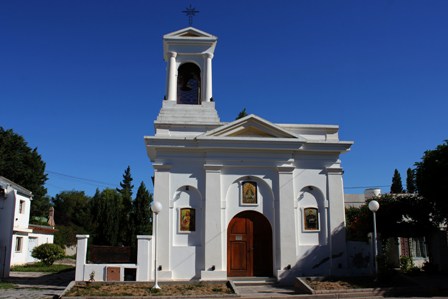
(156, 207)
(374, 206)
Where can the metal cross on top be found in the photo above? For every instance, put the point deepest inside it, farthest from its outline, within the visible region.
(190, 12)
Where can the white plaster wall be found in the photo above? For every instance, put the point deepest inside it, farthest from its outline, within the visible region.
(184, 198)
(187, 246)
(186, 258)
(19, 257)
(7, 207)
(40, 239)
(185, 253)
(312, 197)
(21, 220)
(101, 271)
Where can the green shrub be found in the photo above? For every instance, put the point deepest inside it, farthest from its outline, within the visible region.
(48, 253)
(406, 263)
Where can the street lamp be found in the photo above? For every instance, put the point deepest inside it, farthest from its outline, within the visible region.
(156, 208)
(374, 206)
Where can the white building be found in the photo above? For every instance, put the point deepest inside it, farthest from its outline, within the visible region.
(244, 198)
(17, 237)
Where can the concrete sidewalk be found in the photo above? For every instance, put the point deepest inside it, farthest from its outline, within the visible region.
(36, 285)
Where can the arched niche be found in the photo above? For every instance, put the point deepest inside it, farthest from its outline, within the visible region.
(189, 84)
(187, 216)
(312, 216)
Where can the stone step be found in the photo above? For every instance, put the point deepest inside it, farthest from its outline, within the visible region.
(248, 281)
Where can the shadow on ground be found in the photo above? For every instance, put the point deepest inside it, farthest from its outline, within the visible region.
(60, 279)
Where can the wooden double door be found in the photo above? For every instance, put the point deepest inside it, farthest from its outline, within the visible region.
(249, 245)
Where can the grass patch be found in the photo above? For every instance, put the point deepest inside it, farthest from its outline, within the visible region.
(40, 267)
(6, 285)
(144, 289)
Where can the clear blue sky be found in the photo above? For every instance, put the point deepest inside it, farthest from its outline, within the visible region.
(83, 81)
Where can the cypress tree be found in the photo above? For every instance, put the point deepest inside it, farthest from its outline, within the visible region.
(107, 208)
(397, 186)
(126, 215)
(242, 114)
(142, 211)
(410, 181)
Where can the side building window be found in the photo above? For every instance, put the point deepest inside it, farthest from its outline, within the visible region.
(311, 219)
(418, 247)
(19, 244)
(22, 207)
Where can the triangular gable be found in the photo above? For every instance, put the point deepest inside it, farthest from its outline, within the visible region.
(188, 32)
(250, 126)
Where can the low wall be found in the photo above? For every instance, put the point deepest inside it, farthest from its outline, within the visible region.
(140, 271)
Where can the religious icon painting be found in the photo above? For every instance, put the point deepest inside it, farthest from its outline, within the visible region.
(311, 219)
(187, 220)
(249, 196)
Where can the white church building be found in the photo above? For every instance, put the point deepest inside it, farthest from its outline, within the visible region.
(242, 198)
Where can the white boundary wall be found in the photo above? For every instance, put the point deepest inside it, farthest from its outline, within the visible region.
(144, 266)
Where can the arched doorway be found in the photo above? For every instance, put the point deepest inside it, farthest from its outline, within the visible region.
(249, 245)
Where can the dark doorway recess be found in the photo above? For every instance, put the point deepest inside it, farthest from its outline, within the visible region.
(249, 245)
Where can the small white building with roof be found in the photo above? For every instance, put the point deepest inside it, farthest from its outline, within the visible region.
(17, 236)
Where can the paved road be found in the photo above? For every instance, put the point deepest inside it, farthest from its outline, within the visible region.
(36, 285)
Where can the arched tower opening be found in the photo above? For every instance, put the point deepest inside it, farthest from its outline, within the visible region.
(189, 84)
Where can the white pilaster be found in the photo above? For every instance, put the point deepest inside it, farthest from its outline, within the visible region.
(336, 220)
(144, 258)
(213, 241)
(208, 77)
(286, 231)
(172, 77)
(81, 256)
(162, 194)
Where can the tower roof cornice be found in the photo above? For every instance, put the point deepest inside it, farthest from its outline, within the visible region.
(188, 41)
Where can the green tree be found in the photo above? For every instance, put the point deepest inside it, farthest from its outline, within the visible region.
(72, 207)
(432, 181)
(399, 215)
(358, 223)
(397, 186)
(410, 181)
(66, 235)
(126, 217)
(40, 207)
(142, 211)
(107, 208)
(24, 166)
(72, 216)
(242, 114)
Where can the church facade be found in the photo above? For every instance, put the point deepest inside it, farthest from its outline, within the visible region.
(241, 198)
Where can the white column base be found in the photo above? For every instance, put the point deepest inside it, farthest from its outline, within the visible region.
(213, 275)
(165, 275)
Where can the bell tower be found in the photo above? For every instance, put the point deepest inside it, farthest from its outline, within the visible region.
(189, 87)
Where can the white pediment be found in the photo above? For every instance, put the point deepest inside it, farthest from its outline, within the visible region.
(250, 126)
(189, 32)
